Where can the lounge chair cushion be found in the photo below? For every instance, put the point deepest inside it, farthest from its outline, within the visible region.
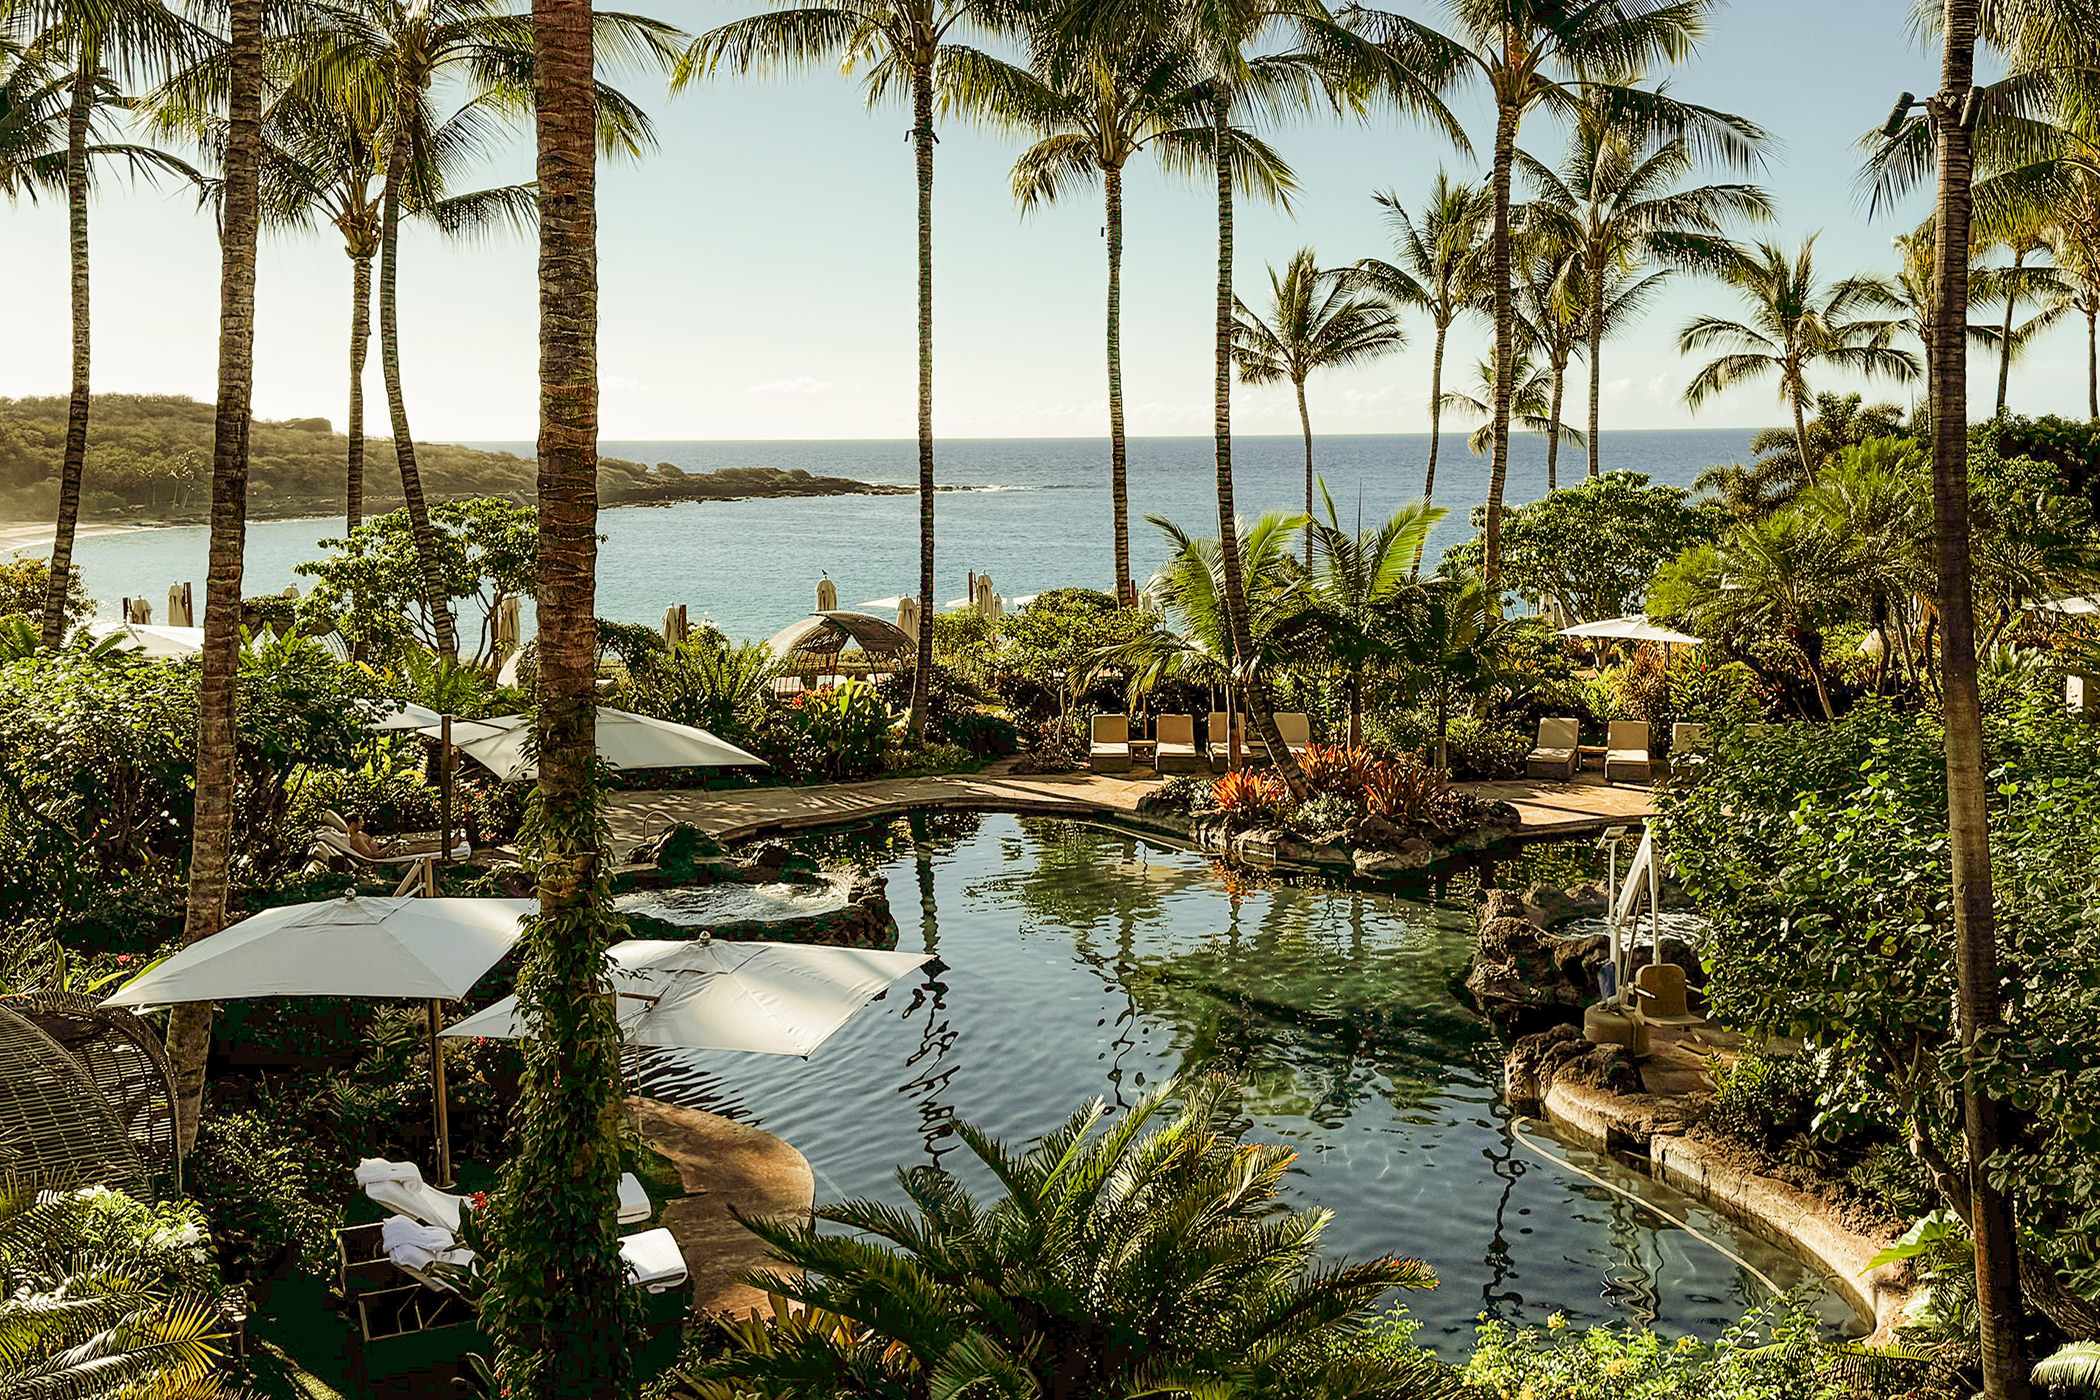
(634, 1204)
(399, 1186)
(654, 1260)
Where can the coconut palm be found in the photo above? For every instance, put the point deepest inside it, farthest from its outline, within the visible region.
(1796, 325)
(1617, 202)
(1097, 104)
(1530, 404)
(902, 44)
(1910, 294)
(1550, 298)
(1439, 266)
(1455, 647)
(2078, 265)
(211, 840)
(1556, 55)
(1359, 581)
(2027, 238)
(1149, 1256)
(1315, 322)
(559, 1311)
(389, 63)
(90, 50)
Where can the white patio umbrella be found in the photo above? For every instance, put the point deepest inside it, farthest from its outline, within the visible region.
(704, 994)
(890, 604)
(2076, 607)
(153, 643)
(1634, 627)
(406, 716)
(624, 741)
(398, 947)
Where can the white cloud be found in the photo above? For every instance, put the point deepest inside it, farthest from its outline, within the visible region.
(1659, 388)
(1615, 389)
(801, 385)
(621, 384)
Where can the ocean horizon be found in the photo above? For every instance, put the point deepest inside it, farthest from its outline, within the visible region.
(1032, 512)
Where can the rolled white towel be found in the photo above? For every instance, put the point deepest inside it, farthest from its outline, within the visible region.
(371, 1170)
(414, 1245)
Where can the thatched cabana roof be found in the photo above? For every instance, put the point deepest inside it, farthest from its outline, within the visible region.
(829, 633)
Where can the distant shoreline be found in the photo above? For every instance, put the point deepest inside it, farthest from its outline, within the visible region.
(20, 535)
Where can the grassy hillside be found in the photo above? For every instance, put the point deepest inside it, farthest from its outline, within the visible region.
(149, 461)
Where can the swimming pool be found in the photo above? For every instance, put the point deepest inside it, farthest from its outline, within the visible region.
(1081, 961)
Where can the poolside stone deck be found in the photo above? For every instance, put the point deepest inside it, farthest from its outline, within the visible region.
(1559, 809)
(724, 1164)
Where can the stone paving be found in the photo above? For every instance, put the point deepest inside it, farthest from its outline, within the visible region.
(1546, 808)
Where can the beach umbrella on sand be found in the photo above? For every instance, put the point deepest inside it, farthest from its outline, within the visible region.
(705, 994)
(624, 741)
(401, 947)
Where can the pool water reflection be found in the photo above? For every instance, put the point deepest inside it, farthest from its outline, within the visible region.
(1081, 962)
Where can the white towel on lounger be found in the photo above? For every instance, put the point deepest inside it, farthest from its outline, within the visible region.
(414, 1245)
(376, 1169)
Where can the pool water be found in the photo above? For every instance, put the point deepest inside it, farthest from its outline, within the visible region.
(1083, 962)
(709, 906)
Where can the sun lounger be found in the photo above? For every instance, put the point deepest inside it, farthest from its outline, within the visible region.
(399, 1187)
(1690, 747)
(1109, 751)
(1294, 729)
(1626, 750)
(1176, 751)
(654, 1260)
(1558, 750)
(429, 1253)
(1218, 747)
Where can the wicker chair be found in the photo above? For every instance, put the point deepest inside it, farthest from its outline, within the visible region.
(57, 1131)
(123, 1059)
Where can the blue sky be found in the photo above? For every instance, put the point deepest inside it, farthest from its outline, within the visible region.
(757, 270)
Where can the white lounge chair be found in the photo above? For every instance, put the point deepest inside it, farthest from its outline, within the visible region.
(1176, 751)
(654, 1260)
(1109, 751)
(1294, 729)
(426, 1252)
(1558, 750)
(399, 1187)
(1626, 751)
(1219, 746)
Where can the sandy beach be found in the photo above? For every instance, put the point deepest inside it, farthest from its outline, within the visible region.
(16, 536)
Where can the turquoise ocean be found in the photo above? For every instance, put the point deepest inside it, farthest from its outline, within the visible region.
(1033, 513)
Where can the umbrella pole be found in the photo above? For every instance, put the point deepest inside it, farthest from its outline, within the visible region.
(445, 789)
(437, 1094)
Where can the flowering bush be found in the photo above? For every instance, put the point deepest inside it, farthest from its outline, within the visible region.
(1246, 797)
(837, 732)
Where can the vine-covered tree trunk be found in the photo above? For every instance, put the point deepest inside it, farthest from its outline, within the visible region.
(360, 341)
(211, 837)
(560, 1311)
(434, 595)
(1305, 427)
(922, 152)
(1968, 827)
(1505, 348)
(1118, 451)
(78, 116)
(1254, 687)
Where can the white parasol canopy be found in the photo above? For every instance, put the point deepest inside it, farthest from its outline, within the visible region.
(885, 604)
(1633, 628)
(624, 741)
(399, 946)
(406, 715)
(153, 643)
(2076, 607)
(703, 994)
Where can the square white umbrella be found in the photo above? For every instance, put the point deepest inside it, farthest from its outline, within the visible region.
(705, 994)
(624, 741)
(405, 716)
(1635, 627)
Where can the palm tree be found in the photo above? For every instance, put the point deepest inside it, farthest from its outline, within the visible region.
(1360, 581)
(1314, 323)
(1530, 404)
(1550, 296)
(2078, 264)
(1149, 1257)
(903, 44)
(2041, 287)
(1097, 104)
(1911, 295)
(93, 49)
(1796, 324)
(1440, 267)
(211, 842)
(388, 61)
(559, 1309)
(1556, 55)
(1618, 204)
(1455, 647)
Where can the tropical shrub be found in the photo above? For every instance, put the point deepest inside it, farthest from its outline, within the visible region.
(107, 1298)
(1765, 1100)
(1404, 790)
(952, 701)
(1048, 659)
(707, 682)
(1248, 798)
(838, 732)
(1152, 1256)
(254, 1186)
(1484, 750)
(1323, 813)
(23, 580)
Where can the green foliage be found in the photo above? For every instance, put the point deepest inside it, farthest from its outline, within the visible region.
(1048, 654)
(952, 708)
(106, 1298)
(2070, 1370)
(838, 732)
(1820, 853)
(1591, 548)
(1776, 474)
(1765, 1100)
(708, 682)
(23, 581)
(253, 1183)
(369, 587)
(1484, 751)
(1151, 1255)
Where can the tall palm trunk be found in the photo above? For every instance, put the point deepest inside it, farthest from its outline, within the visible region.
(1596, 386)
(922, 151)
(1505, 336)
(78, 117)
(1436, 428)
(1560, 394)
(2092, 363)
(2005, 345)
(1808, 466)
(1253, 686)
(559, 1311)
(1968, 831)
(435, 597)
(1305, 427)
(1118, 458)
(211, 835)
(360, 342)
